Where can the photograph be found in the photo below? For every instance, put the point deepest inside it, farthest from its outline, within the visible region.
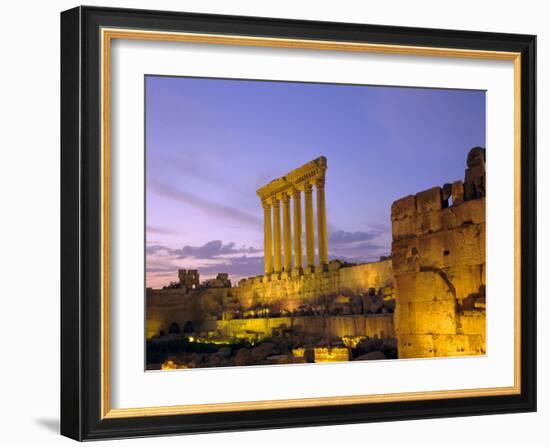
(303, 222)
(276, 221)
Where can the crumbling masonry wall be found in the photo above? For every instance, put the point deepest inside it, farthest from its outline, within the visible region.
(376, 326)
(341, 286)
(289, 292)
(167, 306)
(438, 256)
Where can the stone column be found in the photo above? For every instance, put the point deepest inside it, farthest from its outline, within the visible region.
(268, 242)
(322, 222)
(277, 235)
(310, 238)
(298, 257)
(287, 235)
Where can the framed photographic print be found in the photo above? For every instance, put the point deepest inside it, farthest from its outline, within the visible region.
(276, 223)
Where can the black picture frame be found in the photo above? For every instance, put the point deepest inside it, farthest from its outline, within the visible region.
(81, 224)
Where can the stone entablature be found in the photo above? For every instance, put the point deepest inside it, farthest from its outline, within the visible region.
(299, 178)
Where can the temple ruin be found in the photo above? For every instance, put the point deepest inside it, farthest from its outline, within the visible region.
(426, 300)
(292, 185)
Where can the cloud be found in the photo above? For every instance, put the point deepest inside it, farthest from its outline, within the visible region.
(160, 230)
(244, 261)
(237, 268)
(346, 237)
(161, 266)
(212, 209)
(213, 249)
(359, 246)
(199, 165)
(365, 251)
(210, 250)
(210, 258)
(154, 249)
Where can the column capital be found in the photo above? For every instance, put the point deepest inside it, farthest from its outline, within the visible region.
(308, 187)
(266, 205)
(285, 196)
(320, 182)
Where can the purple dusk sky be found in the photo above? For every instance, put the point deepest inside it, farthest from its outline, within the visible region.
(210, 143)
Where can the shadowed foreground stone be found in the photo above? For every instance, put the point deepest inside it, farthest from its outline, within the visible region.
(374, 355)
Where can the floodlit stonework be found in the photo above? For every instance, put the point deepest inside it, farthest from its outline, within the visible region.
(438, 259)
(426, 300)
(281, 190)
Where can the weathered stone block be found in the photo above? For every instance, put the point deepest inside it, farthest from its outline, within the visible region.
(422, 286)
(457, 192)
(429, 222)
(476, 157)
(402, 208)
(457, 345)
(415, 346)
(405, 256)
(472, 211)
(466, 245)
(429, 200)
(431, 249)
(462, 245)
(402, 319)
(433, 317)
(474, 182)
(466, 280)
(473, 322)
(406, 227)
(449, 219)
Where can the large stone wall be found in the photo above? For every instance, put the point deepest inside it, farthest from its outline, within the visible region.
(438, 255)
(278, 293)
(378, 326)
(290, 292)
(171, 305)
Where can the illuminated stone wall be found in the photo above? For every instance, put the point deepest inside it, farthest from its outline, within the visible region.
(284, 293)
(438, 255)
(289, 292)
(167, 306)
(379, 326)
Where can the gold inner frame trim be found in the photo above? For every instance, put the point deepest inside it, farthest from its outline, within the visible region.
(107, 35)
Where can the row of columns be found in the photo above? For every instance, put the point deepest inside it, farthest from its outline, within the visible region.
(278, 248)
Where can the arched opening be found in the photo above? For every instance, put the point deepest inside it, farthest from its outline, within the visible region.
(188, 327)
(174, 328)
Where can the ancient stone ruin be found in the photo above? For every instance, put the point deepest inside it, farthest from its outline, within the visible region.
(438, 259)
(426, 300)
